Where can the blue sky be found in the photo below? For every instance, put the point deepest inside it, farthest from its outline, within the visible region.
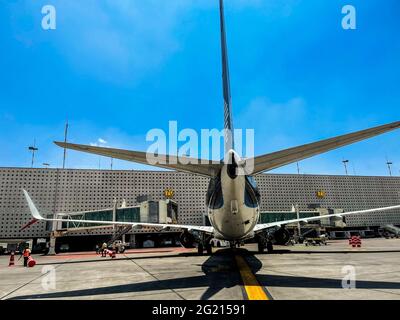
(119, 68)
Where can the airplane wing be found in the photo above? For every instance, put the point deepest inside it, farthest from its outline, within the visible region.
(280, 158)
(262, 163)
(201, 167)
(36, 215)
(263, 226)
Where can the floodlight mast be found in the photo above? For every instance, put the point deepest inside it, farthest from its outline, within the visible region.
(345, 162)
(65, 140)
(33, 149)
(389, 164)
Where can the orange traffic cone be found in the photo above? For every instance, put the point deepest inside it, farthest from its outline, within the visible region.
(12, 261)
(31, 262)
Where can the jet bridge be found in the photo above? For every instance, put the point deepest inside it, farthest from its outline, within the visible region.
(163, 211)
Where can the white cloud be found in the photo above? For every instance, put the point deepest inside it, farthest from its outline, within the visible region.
(100, 142)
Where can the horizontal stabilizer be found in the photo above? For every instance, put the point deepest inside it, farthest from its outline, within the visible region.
(281, 158)
(190, 165)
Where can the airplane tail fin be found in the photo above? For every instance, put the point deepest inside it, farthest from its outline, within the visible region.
(228, 121)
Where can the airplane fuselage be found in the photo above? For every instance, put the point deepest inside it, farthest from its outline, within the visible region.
(233, 203)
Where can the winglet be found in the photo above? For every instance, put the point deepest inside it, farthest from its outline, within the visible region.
(34, 211)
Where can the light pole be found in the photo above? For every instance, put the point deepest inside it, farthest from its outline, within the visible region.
(33, 149)
(298, 218)
(345, 162)
(65, 141)
(389, 167)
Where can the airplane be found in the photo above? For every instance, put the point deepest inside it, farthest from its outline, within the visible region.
(233, 199)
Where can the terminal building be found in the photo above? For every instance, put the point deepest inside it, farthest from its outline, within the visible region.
(79, 190)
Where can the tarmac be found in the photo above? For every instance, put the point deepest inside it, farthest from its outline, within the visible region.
(335, 271)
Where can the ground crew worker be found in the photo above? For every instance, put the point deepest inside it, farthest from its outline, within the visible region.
(97, 249)
(103, 249)
(26, 254)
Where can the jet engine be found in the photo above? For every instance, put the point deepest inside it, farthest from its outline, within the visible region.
(187, 240)
(281, 236)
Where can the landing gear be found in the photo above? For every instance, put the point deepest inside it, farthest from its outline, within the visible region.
(208, 248)
(200, 248)
(261, 246)
(261, 242)
(208, 244)
(204, 243)
(270, 247)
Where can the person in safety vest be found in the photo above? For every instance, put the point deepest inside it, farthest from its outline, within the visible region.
(26, 253)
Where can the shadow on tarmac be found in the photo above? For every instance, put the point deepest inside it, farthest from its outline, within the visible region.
(310, 282)
(220, 272)
(220, 251)
(287, 251)
(108, 259)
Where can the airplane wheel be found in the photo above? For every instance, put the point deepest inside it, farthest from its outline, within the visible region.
(261, 247)
(270, 247)
(200, 248)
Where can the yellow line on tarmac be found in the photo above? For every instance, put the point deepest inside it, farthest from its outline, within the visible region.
(253, 289)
